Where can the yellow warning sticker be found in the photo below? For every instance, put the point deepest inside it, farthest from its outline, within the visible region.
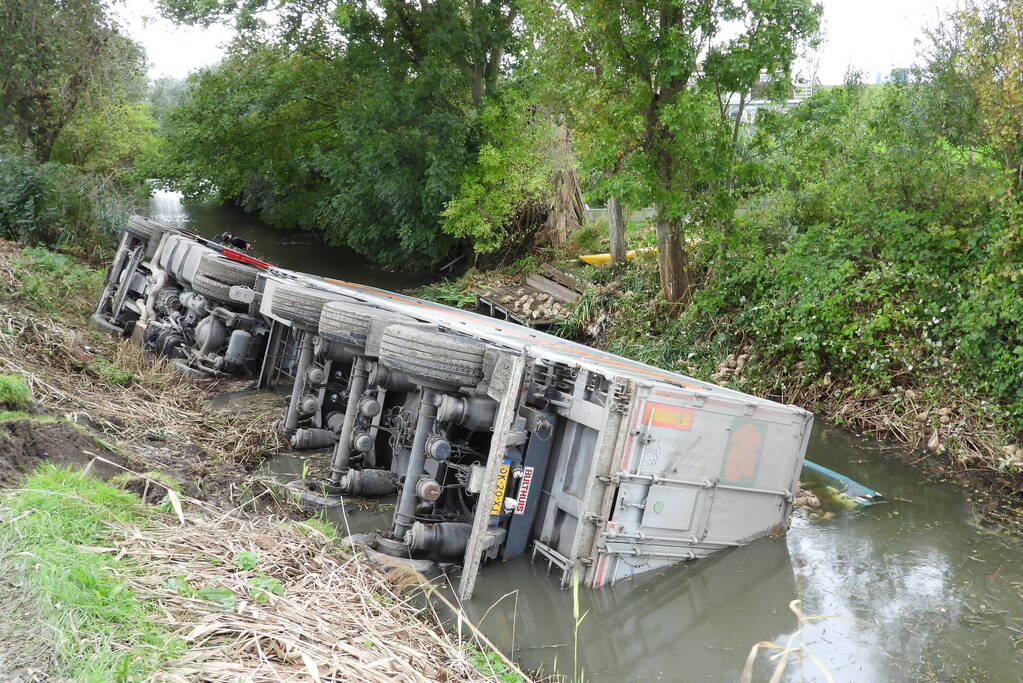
(666, 415)
(502, 484)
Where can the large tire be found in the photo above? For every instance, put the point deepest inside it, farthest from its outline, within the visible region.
(212, 289)
(437, 357)
(346, 323)
(299, 305)
(350, 323)
(377, 327)
(148, 231)
(141, 227)
(225, 270)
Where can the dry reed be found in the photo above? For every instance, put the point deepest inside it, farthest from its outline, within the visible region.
(338, 619)
(67, 369)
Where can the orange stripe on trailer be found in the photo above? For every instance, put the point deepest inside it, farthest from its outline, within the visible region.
(533, 339)
(667, 415)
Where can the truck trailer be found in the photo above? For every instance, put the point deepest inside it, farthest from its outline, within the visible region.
(498, 440)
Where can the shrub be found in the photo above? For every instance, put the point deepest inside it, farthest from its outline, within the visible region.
(54, 205)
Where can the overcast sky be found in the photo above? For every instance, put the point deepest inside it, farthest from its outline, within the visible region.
(873, 36)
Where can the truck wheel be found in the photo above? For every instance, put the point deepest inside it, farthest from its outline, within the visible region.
(378, 326)
(346, 323)
(140, 227)
(351, 324)
(225, 270)
(299, 305)
(212, 289)
(429, 354)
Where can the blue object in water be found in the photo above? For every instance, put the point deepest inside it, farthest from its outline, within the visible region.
(841, 488)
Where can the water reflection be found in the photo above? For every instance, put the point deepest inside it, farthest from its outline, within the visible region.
(904, 592)
(906, 580)
(694, 622)
(302, 251)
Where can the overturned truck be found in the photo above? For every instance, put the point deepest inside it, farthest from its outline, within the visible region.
(498, 440)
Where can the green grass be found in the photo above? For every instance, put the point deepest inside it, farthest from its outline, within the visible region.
(14, 392)
(101, 630)
(312, 526)
(491, 665)
(123, 479)
(56, 282)
(7, 415)
(111, 372)
(450, 292)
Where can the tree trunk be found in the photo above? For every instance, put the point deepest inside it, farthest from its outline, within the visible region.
(672, 261)
(567, 213)
(616, 229)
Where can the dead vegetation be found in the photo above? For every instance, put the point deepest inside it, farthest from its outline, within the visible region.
(137, 404)
(117, 388)
(256, 600)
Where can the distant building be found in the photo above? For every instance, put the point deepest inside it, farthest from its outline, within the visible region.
(799, 93)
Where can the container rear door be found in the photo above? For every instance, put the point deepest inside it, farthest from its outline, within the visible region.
(699, 475)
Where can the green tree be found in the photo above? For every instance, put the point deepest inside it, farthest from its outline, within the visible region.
(656, 90)
(58, 59)
(165, 93)
(991, 60)
(379, 107)
(506, 192)
(107, 140)
(245, 131)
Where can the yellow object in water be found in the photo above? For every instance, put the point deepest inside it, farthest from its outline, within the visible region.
(601, 259)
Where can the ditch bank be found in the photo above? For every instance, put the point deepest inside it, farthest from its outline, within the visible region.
(159, 552)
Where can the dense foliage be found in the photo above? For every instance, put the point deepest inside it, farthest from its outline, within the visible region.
(72, 124)
(59, 60)
(360, 121)
(57, 205)
(878, 257)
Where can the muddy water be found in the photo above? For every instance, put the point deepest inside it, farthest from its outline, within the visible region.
(912, 590)
(300, 251)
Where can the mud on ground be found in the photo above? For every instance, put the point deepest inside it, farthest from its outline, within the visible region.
(27, 443)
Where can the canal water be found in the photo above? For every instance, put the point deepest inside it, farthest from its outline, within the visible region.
(913, 590)
(301, 251)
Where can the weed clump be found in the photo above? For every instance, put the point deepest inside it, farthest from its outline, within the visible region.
(53, 282)
(450, 292)
(14, 392)
(111, 372)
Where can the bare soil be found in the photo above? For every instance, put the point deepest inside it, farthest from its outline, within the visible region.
(27, 443)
